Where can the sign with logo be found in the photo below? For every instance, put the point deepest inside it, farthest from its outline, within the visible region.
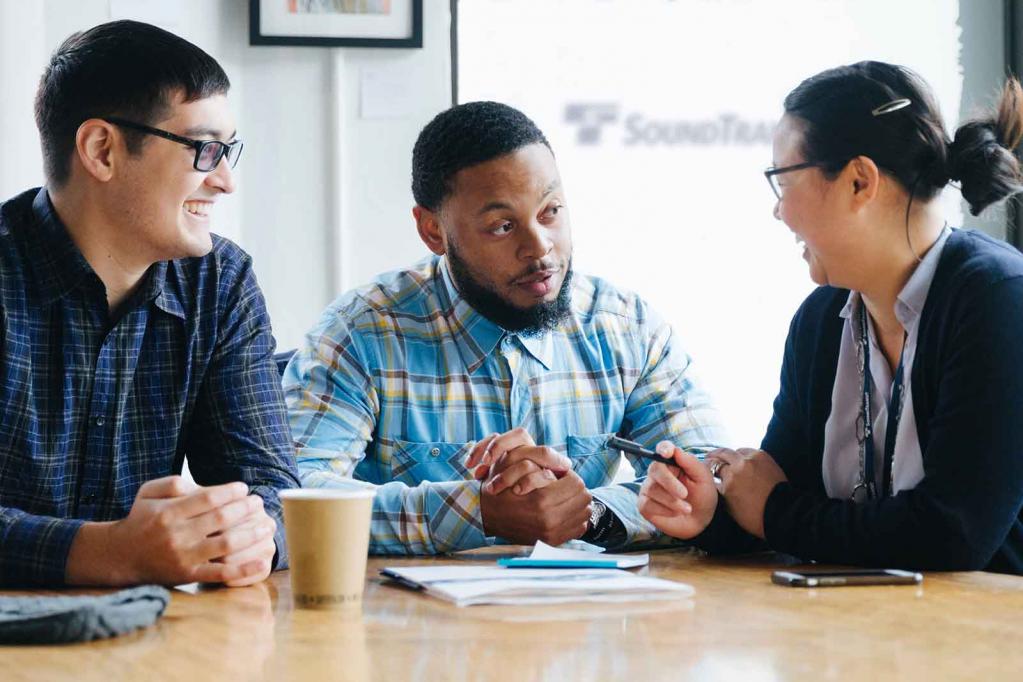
(636, 128)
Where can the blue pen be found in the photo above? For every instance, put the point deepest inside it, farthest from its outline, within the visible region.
(524, 562)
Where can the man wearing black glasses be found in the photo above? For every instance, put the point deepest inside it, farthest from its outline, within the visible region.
(131, 338)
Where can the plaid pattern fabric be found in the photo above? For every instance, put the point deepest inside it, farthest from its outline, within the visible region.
(398, 380)
(93, 406)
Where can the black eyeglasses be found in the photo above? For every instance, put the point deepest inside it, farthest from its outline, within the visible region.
(772, 174)
(208, 153)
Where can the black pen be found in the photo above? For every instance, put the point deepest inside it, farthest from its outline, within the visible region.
(640, 451)
(401, 580)
(635, 449)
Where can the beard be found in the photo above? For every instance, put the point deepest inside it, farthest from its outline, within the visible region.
(530, 322)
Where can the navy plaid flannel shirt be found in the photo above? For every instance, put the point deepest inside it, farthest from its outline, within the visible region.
(93, 406)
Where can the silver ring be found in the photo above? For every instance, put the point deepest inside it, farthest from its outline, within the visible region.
(715, 467)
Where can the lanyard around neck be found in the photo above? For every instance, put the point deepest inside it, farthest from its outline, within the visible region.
(867, 486)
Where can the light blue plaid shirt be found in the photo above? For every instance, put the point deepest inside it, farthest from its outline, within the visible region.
(399, 379)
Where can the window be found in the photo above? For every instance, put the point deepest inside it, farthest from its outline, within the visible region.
(660, 113)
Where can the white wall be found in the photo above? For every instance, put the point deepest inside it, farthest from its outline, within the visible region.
(323, 200)
(376, 200)
(20, 161)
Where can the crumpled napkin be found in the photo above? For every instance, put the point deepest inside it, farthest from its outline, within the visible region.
(57, 619)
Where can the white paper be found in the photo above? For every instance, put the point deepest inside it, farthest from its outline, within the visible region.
(471, 585)
(544, 551)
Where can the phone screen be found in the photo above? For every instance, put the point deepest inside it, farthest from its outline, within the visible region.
(865, 573)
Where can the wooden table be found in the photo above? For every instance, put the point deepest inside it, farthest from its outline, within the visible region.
(738, 626)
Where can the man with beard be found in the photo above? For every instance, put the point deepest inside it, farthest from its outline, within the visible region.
(478, 389)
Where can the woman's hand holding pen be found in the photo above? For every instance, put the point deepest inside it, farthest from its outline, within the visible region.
(680, 498)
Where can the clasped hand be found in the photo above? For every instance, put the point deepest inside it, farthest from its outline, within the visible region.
(528, 492)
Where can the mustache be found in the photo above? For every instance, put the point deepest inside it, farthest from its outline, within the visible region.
(541, 266)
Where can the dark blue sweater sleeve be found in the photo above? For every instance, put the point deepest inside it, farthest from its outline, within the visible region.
(961, 512)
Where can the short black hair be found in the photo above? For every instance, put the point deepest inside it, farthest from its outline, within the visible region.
(464, 136)
(122, 68)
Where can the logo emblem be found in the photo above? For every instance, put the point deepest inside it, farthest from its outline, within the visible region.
(590, 118)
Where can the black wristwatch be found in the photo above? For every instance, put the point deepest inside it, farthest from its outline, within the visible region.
(605, 529)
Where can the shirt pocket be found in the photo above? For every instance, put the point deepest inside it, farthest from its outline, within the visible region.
(592, 459)
(413, 463)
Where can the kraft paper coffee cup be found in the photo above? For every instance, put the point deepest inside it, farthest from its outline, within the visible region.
(328, 541)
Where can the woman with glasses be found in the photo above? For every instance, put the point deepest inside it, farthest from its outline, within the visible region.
(897, 434)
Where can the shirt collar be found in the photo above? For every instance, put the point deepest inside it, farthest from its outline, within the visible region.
(162, 295)
(540, 347)
(910, 301)
(850, 303)
(914, 294)
(60, 267)
(475, 335)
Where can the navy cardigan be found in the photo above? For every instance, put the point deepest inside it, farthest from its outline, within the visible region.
(968, 400)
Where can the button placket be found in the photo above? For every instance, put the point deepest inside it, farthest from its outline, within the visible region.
(519, 400)
(98, 447)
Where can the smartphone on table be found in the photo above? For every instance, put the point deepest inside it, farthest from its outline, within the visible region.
(858, 576)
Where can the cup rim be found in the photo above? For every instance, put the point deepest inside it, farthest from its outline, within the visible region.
(360, 493)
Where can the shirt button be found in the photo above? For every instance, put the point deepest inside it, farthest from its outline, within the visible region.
(90, 498)
(99, 421)
(434, 452)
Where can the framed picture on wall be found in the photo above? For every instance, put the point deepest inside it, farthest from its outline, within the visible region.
(336, 23)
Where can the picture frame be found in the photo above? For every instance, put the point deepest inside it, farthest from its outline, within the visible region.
(337, 23)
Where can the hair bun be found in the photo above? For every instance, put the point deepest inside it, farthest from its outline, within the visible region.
(973, 142)
(981, 156)
(987, 172)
